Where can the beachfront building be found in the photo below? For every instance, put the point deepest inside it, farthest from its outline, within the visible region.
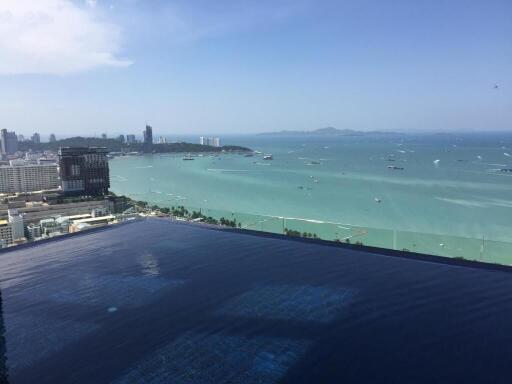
(50, 227)
(34, 231)
(19, 176)
(130, 139)
(12, 230)
(16, 223)
(5, 233)
(84, 171)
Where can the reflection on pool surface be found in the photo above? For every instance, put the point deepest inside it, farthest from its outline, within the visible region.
(163, 302)
(217, 358)
(304, 303)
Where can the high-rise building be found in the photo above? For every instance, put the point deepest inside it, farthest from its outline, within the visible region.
(148, 135)
(21, 138)
(130, 139)
(120, 138)
(20, 176)
(52, 138)
(103, 135)
(162, 140)
(16, 223)
(211, 141)
(36, 138)
(215, 142)
(9, 142)
(84, 171)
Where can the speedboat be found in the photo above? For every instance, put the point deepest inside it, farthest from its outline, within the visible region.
(268, 157)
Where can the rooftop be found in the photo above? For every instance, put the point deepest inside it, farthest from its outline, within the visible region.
(94, 219)
(156, 301)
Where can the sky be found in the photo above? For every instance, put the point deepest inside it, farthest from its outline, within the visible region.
(86, 67)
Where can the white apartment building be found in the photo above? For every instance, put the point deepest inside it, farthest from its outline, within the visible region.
(22, 177)
(211, 141)
(5, 233)
(16, 223)
(214, 141)
(34, 231)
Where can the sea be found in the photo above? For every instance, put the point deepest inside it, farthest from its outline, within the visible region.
(448, 184)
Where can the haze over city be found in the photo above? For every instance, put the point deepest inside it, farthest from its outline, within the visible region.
(187, 67)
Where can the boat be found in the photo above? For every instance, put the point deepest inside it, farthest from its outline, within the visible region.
(395, 168)
(377, 200)
(268, 157)
(314, 162)
(188, 157)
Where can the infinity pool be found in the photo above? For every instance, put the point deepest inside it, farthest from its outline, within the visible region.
(157, 301)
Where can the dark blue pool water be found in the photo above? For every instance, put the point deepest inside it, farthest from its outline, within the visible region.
(161, 302)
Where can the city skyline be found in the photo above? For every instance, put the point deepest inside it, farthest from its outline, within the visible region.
(240, 67)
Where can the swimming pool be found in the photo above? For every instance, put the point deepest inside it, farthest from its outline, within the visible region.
(163, 302)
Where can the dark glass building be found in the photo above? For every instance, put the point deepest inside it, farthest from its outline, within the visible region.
(148, 135)
(84, 171)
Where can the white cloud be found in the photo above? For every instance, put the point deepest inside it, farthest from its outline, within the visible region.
(55, 37)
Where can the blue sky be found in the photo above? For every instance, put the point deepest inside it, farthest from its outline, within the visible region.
(187, 67)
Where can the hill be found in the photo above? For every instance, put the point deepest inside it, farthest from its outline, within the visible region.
(114, 145)
(328, 131)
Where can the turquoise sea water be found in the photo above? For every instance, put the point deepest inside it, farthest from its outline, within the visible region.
(449, 185)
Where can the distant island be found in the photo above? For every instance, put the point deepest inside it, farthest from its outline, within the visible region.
(115, 145)
(330, 131)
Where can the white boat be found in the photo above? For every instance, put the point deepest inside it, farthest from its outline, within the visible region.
(268, 157)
